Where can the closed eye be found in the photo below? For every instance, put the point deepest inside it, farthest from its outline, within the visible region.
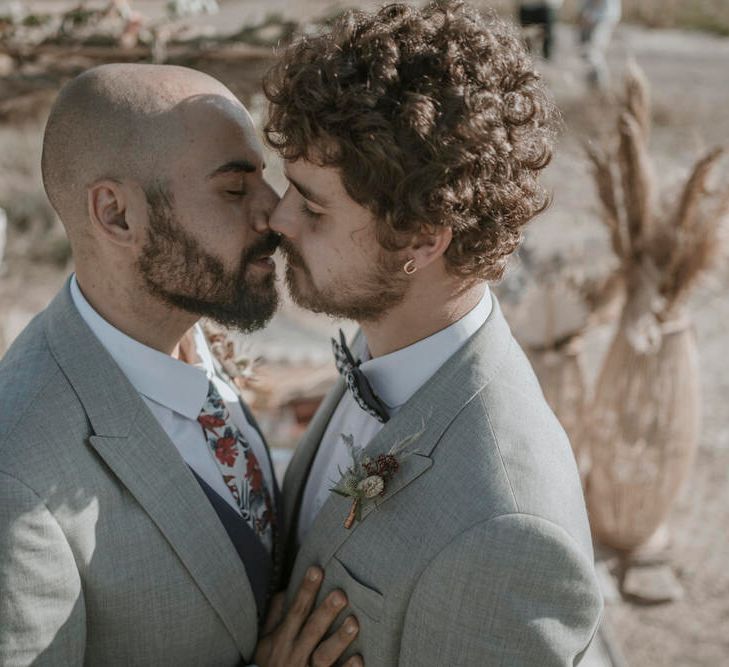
(236, 193)
(308, 212)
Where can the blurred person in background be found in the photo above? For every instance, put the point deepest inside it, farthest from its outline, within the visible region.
(542, 16)
(597, 20)
(413, 141)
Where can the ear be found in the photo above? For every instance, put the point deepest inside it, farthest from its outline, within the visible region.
(107, 203)
(429, 245)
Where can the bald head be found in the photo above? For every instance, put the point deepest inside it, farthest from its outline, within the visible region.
(120, 122)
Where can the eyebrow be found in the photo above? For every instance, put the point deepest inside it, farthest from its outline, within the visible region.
(235, 167)
(308, 194)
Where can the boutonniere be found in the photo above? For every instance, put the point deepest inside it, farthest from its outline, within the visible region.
(366, 479)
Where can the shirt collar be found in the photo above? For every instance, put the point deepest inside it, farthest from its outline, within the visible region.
(158, 376)
(395, 377)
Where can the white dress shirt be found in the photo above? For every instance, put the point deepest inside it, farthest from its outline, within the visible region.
(394, 377)
(175, 393)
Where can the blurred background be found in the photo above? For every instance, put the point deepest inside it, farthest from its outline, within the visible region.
(618, 294)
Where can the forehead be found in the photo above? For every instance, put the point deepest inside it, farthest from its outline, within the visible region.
(323, 180)
(216, 130)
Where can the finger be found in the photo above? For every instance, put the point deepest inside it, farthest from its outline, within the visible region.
(354, 661)
(303, 602)
(331, 649)
(319, 622)
(275, 613)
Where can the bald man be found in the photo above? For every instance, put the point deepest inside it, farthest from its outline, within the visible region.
(138, 506)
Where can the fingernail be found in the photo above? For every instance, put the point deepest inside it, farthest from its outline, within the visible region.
(350, 626)
(337, 599)
(313, 574)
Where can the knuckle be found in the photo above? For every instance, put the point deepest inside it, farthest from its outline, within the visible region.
(319, 659)
(318, 627)
(300, 605)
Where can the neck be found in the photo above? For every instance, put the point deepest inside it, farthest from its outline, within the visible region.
(134, 312)
(429, 307)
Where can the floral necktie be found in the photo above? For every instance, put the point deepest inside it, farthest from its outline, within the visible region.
(238, 465)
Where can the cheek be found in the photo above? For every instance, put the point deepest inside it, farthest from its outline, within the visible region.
(343, 262)
(218, 236)
(225, 223)
(325, 254)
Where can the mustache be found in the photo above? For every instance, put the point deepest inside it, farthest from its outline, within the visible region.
(264, 247)
(292, 255)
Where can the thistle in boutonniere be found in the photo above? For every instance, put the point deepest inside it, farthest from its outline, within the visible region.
(366, 479)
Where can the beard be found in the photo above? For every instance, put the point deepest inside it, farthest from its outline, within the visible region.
(177, 270)
(366, 297)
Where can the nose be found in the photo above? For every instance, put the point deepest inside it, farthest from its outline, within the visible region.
(266, 203)
(283, 218)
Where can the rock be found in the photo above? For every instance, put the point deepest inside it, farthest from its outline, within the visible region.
(655, 550)
(652, 584)
(7, 65)
(180, 8)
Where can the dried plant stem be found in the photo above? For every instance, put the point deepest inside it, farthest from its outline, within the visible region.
(695, 189)
(638, 101)
(638, 182)
(606, 190)
(349, 521)
(701, 251)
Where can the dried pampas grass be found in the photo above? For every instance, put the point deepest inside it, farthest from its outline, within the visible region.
(644, 421)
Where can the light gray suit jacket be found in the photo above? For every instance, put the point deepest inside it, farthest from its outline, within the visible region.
(110, 552)
(479, 553)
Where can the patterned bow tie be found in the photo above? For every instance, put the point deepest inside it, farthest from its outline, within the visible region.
(357, 381)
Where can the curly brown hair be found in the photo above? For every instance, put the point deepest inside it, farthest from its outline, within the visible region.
(433, 117)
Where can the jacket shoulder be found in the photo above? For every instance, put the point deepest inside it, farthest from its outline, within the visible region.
(510, 440)
(36, 396)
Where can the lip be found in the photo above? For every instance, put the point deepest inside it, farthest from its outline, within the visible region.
(264, 263)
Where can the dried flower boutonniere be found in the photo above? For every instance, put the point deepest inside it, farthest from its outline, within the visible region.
(366, 479)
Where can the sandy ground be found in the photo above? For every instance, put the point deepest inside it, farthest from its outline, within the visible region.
(691, 95)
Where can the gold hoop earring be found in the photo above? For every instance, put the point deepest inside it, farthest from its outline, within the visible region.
(410, 267)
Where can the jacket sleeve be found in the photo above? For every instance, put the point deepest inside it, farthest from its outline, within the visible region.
(42, 616)
(514, 590)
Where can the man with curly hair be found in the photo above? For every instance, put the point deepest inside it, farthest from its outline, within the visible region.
(413, 141)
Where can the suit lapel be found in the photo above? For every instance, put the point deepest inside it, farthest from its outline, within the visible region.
(280, 528)
(139, 453)
(428, 414)
(300, 465)
(328, 532)
(328, 527)
(147, 463)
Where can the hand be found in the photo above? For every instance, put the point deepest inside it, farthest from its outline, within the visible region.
(296, 641)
